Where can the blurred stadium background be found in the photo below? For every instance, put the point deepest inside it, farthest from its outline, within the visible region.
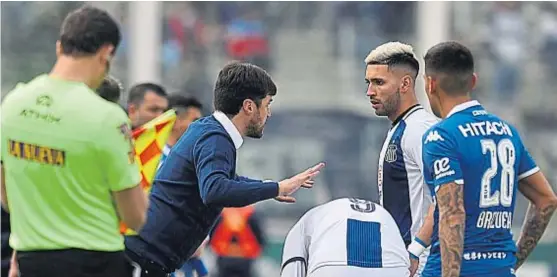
(315, 52)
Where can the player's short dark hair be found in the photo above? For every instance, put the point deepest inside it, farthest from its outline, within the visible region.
(237, 82)
(110, 89)
(85, 30)
(453, 64)
(180, 102)
(400, 60)
(137, 92)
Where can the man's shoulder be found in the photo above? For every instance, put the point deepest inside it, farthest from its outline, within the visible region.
(205, 126)
(439, 133)
(419, 122)
(422, 117)
(316, 212)
(417, 125)
(108, 112)
(20, 94)
(203, 130)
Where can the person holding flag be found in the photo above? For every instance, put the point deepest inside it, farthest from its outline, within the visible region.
(188, 110)
(150, 139)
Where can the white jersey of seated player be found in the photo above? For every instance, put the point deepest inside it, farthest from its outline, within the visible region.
(318, 244)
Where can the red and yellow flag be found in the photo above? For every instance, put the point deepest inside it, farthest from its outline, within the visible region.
(149, 143)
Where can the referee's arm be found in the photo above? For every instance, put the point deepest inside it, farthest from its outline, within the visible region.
(121, 169)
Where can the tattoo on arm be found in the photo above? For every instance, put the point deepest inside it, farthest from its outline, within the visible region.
(534, 225)
(452, 217)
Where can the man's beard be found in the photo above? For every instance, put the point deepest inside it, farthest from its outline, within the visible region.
(255, 129)
(391, 105)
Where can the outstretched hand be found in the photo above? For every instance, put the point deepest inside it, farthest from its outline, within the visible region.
(304, 179)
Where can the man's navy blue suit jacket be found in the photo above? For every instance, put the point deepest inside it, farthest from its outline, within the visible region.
(195, 182)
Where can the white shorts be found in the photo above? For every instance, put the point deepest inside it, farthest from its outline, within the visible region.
(344, 271)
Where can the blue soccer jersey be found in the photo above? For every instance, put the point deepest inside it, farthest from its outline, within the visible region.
(478, 150)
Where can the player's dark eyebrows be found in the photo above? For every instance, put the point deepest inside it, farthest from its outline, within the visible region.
(375, 80)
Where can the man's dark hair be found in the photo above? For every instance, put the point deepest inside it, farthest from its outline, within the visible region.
(180, 103)
(137, 92)
(85, 30)
(453, 64)
(110, 89)
(237, 82)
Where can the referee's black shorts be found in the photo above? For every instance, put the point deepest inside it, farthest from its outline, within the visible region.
(74, 263)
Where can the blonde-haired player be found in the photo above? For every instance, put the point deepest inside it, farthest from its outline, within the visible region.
(345, 237)
(391, 71)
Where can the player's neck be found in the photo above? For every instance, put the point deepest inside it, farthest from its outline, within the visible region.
(404, 106)
(172, 139)
(75, 70)
(238, 122)
(448, 104)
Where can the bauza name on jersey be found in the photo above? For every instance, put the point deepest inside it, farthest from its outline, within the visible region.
(495, 220)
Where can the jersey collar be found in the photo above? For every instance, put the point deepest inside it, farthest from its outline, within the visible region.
(230, 128)
(463, 106)
(406, 113)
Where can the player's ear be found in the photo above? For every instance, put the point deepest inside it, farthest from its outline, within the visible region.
(473, 81)
(106, 52)
(428, 84)
(406, 83)
(132, 108)
(248, 106)
(58, 48)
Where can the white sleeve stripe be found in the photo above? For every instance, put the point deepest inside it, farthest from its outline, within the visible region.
(458, 182)
(528, 173)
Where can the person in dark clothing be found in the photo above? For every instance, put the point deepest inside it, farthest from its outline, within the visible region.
(198, 179)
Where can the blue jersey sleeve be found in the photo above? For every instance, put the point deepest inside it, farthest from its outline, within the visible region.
(441, 159)
(527, 166)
